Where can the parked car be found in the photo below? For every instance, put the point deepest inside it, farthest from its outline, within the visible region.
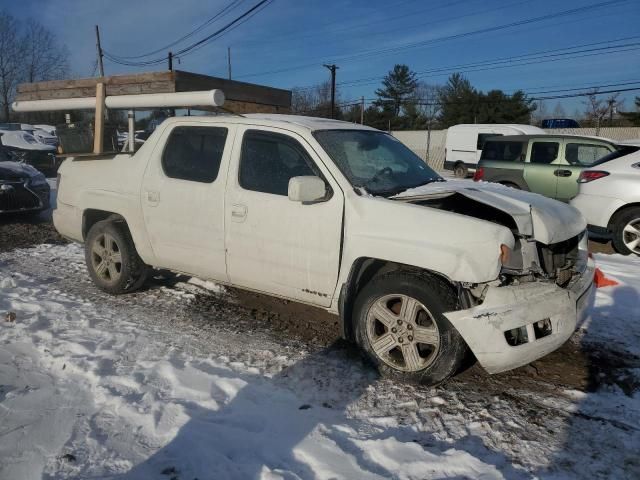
(343, 217)
(609, 198)
(465, 142)
(559, 123)
(23, 147)
(23, 189)
(40, 135)
(545, 164)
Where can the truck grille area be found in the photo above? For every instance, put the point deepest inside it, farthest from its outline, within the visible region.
(558, 259)
(15, 197)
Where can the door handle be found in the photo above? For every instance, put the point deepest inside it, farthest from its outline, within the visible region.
(153, 198)
(562, 173)
(238, 212)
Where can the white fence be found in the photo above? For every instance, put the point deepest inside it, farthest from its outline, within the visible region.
(416, 140)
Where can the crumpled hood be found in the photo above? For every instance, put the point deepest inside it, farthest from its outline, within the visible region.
(547, 220)
(16, 171)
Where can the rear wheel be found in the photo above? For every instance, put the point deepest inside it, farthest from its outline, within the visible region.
(112, 260)
(626, 231)
(401, 327)
(460, 170)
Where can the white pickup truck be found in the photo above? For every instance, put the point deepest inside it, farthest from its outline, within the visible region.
(344, 217)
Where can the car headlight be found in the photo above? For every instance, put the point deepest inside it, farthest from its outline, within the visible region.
(38, 179)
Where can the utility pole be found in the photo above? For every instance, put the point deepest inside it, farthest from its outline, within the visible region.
(611, 102)
(100, 65)
(332, 69)
(170, 60)
(229, 61)
(362, 110)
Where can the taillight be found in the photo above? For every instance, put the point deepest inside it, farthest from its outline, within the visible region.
(590, 175)
(479, 175)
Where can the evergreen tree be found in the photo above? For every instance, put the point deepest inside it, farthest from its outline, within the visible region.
(397, 87)
(458, 101)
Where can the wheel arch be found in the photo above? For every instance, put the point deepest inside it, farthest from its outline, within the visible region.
(365, 269)
(91, 216)
(618, 212)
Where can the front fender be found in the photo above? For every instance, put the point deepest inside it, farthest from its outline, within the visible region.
(461, 248)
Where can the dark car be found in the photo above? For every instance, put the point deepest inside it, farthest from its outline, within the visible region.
(559, 123)
(23, 189)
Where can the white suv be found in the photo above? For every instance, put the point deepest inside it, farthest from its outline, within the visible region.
(609, 198)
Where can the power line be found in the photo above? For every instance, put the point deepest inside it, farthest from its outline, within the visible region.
(208, 22)
(508, 62)
(378, 52)
(194, 46)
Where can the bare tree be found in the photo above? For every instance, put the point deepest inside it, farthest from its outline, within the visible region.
(44, 59)
(429, 108)
(559, 111)
(11, 51)
(28, 53)
(314, 101)
(596, 109)
(540, 113)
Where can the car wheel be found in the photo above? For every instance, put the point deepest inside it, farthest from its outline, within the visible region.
(400, 326)
(626, 232)
(112, 259)
(460, 171)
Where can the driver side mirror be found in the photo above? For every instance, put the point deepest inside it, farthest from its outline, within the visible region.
(307, 189)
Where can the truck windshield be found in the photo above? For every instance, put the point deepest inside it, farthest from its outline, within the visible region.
(375, 161)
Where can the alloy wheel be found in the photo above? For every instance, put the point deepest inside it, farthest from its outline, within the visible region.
(106, 258)
(402, 332)
(631, 235)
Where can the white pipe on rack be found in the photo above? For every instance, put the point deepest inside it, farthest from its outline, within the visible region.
(207, 98)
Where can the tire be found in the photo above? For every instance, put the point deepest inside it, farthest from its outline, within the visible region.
(383, 329)
(460, 170)
(112, 260)
(626, 231)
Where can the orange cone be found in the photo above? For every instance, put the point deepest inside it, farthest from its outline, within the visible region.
(601, 281)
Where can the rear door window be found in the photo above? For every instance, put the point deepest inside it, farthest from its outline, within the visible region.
(194, 153)
(544, 152)
(502, 151)
(584, 154)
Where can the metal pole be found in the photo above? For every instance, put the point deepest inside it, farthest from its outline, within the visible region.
(170, 59)
(229, 61)
(100, 64)
(332, 69)
(131, 117)
(362, 110)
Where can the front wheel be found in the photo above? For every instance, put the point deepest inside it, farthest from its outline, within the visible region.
(400, 325)
(626, 232)
(112, 259)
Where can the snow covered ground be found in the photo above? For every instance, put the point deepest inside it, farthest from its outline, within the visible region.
(148, 386)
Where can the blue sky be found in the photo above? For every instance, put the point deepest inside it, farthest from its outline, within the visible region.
(299, 36)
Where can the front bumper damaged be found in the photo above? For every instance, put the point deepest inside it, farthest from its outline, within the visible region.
(545, 314)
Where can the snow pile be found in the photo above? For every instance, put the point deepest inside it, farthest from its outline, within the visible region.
(93, 386)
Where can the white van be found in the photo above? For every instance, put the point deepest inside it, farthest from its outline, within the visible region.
(465, 142)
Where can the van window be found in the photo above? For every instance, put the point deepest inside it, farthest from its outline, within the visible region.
(502, 151)
(584, 153)
(482, 138)
(194, 153)
(544, 152)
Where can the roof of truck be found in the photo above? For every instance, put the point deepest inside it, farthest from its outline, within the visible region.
(274, 120)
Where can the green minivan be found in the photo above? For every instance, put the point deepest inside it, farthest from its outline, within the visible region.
(545, 164)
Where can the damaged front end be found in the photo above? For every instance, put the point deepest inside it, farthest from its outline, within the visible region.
(544, 287)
